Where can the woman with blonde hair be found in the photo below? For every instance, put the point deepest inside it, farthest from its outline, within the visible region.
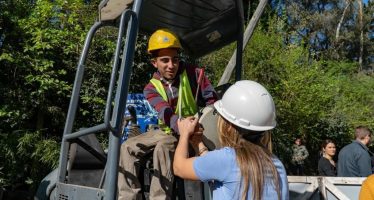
(244, 168)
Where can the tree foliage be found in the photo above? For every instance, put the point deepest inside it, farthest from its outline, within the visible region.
(315, 99)
(25, 156)
(41, 42)
(337, 29)
(314, 78)
(40, 45)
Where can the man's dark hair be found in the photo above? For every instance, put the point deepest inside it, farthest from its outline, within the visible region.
(154, 54)
(361, 132)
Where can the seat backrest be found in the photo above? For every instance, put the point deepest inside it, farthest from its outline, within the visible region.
(86, 162)
(86, 153)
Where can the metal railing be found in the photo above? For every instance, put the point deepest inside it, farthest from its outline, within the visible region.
(128, 29)
(320, 187)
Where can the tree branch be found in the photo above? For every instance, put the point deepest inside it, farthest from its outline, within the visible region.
(247, 35)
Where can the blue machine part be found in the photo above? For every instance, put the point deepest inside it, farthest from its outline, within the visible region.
(145, 113)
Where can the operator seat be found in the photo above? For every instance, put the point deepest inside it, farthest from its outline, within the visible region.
(86, 162)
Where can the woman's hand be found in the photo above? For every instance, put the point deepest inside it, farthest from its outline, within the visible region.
(182, 165)
(187, 127)
(197, 137)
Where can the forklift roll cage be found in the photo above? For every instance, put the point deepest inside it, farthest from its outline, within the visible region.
(203, 26)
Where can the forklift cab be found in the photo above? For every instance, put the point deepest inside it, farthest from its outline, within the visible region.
(202, 27)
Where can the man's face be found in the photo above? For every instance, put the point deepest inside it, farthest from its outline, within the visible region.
(368, 139)
(167, 63)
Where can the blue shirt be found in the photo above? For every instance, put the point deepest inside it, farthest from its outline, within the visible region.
(221, 166)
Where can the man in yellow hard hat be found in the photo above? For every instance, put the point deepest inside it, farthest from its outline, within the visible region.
(172, 92)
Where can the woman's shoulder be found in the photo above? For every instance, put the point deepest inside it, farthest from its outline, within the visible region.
(279, 165)
(226, 150)
(223, 154)
(224, 157)
(323, 159)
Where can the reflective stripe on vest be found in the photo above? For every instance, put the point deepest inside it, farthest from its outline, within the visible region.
(186, 102)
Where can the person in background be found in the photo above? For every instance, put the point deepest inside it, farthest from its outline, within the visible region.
(172, 92)
(354, 159)
(299, 154)
(367, 189)
(244, 168)
(326, 164)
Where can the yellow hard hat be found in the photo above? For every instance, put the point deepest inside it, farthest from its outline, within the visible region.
(163, 38)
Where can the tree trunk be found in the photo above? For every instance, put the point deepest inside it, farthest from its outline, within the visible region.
(247, 35)
(341, 20)
(361, 34)
(40, 119)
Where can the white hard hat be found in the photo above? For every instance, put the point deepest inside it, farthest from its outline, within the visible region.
(249, 105)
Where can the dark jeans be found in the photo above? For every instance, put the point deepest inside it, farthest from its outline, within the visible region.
(297, 169)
